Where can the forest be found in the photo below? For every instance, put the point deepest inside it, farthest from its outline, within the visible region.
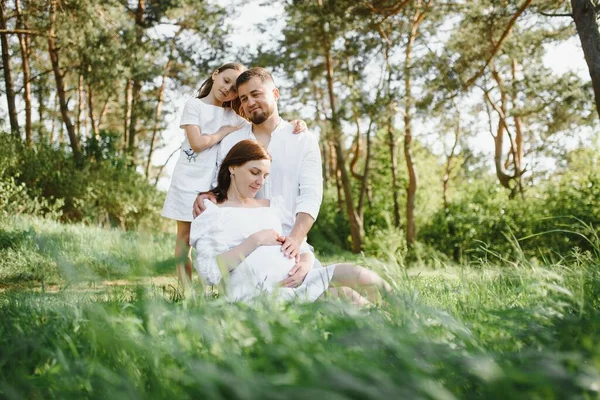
(459, 160)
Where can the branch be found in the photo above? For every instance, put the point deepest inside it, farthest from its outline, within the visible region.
(545, 14)
(496, 48)
(24, 32)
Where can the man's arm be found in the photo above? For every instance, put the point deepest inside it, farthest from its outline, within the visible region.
(299, 231)
(310, 185)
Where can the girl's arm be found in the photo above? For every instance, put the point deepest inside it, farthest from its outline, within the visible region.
(234, 256)
(200, 142)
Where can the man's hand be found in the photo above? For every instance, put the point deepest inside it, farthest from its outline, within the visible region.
(290, 247)
(299, 126)
(297, 273)
(199, 203)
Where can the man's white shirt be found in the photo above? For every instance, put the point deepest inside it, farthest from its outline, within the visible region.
(296, 173)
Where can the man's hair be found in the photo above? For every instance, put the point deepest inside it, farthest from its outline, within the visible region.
(256, 72)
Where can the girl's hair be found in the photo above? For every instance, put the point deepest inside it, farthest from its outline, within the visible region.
(240, 154)
(206, 87)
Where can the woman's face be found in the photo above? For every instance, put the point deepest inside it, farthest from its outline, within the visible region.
(223, 88)
(250, 177)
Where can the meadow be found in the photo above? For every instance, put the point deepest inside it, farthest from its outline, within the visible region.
(95, 313)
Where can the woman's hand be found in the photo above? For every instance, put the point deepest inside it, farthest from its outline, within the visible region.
(267, 237)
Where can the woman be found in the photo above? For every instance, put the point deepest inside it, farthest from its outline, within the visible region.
(240, 237)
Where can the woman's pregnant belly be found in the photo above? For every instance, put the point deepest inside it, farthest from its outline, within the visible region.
(269, 266)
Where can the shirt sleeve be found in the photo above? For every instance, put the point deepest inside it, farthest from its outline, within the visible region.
(287, 218)
(310, 181)
(191, 113)
(206, 238)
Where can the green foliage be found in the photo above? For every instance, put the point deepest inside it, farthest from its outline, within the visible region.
(548, 223)
(45, 181)
(509, 330)
(36, 251)
(331, 231)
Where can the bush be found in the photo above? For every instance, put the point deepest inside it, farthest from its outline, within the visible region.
(106, 190)
(547, 224)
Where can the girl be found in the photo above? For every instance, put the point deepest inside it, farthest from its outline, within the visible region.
(206, 119)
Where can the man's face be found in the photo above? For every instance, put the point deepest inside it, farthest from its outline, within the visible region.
(259, 99)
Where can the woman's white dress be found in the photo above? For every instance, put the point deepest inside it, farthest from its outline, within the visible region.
(219, 229)
(194, 172)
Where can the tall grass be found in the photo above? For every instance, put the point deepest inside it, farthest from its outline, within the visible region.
(513, 329)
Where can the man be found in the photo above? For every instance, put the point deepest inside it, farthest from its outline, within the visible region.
(296, 173)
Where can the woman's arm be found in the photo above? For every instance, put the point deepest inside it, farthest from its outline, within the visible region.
(200, 142)
(234, 256)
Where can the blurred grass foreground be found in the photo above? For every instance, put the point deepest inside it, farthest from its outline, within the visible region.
(96, 314)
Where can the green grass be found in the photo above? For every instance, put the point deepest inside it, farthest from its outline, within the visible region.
(37, 250)
(513, 330)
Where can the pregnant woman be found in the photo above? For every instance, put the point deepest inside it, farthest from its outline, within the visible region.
(239, 238)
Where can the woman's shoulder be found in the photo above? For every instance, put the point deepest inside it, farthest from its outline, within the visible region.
(207, 223)
(263, 202)
(210, 211)
(276, 202)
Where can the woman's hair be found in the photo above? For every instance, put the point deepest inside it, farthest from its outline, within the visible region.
(206, 87)
(240, 154)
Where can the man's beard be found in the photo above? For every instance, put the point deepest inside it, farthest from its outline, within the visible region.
(260, 117)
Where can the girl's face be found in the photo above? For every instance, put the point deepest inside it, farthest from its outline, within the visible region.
(223, 88)
(250, 177)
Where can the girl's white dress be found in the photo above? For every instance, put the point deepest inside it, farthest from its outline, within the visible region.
(194, 172)
(219, 229)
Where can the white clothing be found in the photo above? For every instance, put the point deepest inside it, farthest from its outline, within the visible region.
(296, 173)
(218, 229)
(194, 172)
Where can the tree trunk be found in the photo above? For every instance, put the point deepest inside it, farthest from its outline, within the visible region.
(8, 79)
(365, 175)
(80, 105)
(137, 84)
(504, 177)
(103, 112)
(338, 180)
(157, 114)
(519, 142)
(90, 101)
(390, 129)
(356, 225)
(24, 42)
(411, 190)
(585, 15)
(60, 87)
(394, 162)
(127, 118)
(40, 100)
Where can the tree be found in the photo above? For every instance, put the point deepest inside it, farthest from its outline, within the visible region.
(585, 14)
(60, 84)
(8, 78)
